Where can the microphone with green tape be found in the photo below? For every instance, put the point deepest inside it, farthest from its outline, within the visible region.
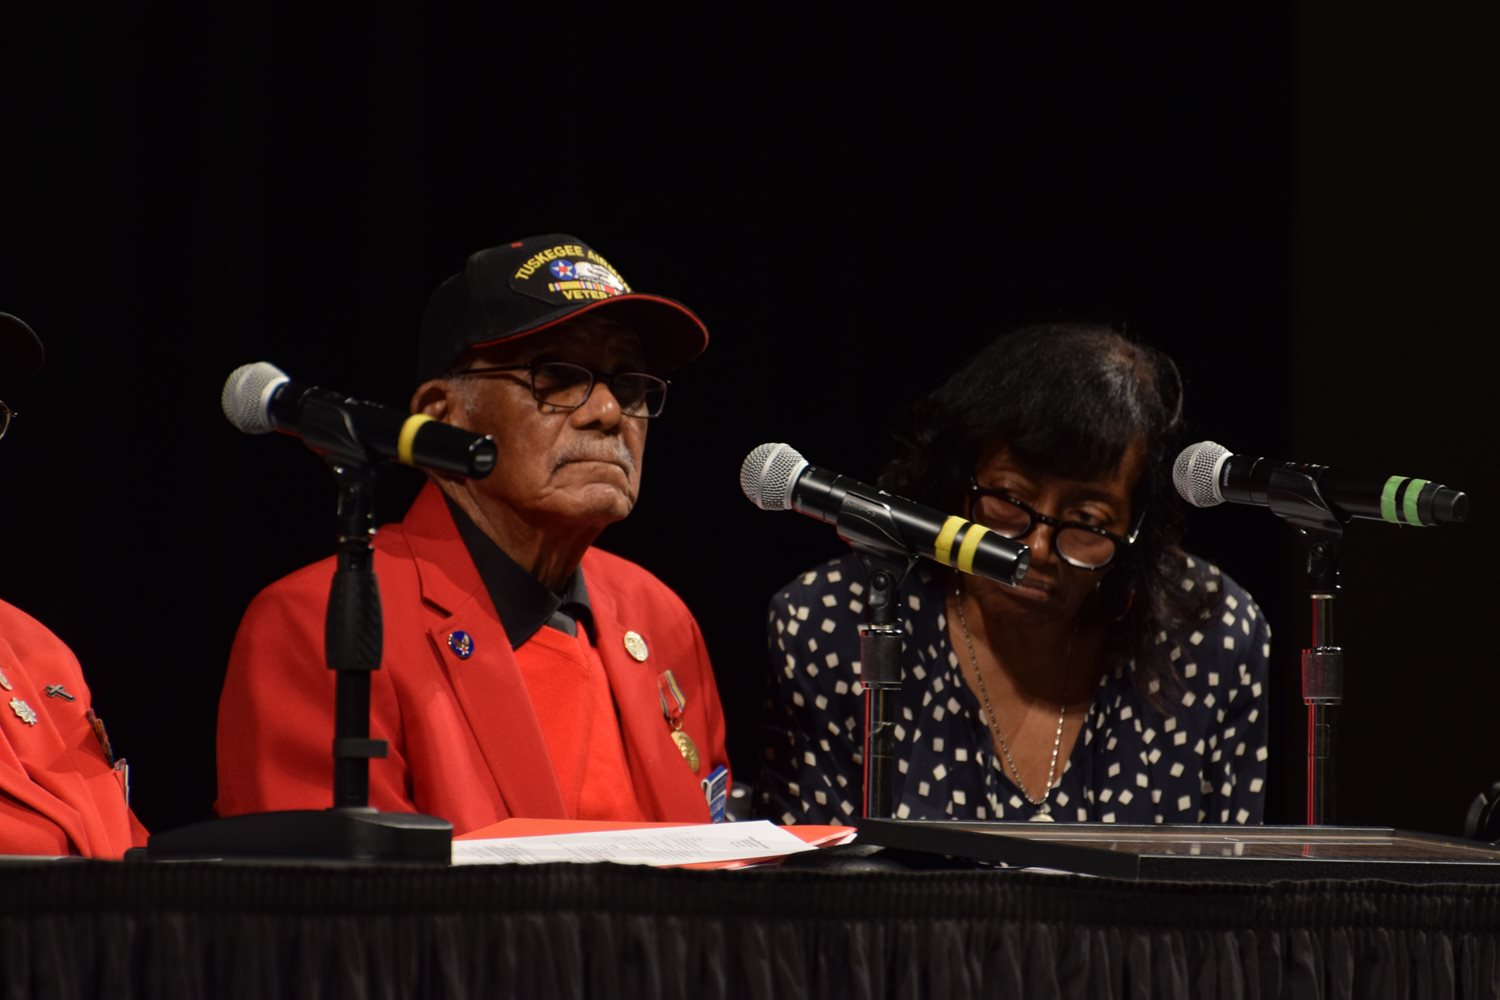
(259, 398)
(1206, 475)
(777, 477)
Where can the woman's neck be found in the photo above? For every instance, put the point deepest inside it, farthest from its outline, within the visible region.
(1050, 660)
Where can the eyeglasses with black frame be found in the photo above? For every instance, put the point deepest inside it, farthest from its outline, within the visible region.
(1082, 545)
(566, 386)
(6, 413)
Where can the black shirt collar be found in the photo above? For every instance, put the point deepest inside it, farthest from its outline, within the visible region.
(523, 603)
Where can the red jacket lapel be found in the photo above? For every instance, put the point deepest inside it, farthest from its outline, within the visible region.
(657, 768)
(25, 773)
(488, 684)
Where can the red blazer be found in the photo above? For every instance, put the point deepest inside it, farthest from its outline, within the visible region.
(464, 743)
(59, 795)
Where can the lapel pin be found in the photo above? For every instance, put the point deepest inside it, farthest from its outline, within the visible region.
(636, 647)
(23, 711)
(4, 681)
(461, 644)
(58, 691)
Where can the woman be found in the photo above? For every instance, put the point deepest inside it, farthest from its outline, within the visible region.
(1123, 681)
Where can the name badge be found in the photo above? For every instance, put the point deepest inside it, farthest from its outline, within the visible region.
(716, 793)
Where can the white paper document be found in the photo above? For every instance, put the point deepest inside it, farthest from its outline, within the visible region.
(665, 845)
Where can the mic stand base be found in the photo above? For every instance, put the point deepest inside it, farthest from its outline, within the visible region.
(307, 835)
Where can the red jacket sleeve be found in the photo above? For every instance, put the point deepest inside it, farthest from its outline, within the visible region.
(276, 711)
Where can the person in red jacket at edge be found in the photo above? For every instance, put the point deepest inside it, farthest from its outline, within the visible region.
(525, 673)
(61, 790)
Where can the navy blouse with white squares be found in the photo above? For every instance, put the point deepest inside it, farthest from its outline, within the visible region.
(1201, 761)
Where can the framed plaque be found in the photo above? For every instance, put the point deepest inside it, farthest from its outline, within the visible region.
(1198, 853)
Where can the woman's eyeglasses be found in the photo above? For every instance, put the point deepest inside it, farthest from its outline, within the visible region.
(1082, 545)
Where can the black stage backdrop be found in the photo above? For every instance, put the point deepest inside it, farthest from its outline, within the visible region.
(1288, 208)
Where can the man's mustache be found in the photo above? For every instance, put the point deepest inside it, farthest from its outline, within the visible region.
(612, 450)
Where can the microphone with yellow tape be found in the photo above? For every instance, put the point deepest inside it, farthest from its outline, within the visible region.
(260, 397)
(777, 477)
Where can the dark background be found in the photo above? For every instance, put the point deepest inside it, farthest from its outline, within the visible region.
(1296, 210)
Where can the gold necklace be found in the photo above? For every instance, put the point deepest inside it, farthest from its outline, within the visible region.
(1043, 807)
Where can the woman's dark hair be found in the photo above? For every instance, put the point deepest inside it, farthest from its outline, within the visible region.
(1069, 399)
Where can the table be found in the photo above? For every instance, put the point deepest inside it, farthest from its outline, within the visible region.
(229, 930)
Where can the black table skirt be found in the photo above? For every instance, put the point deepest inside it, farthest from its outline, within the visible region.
(135, 929)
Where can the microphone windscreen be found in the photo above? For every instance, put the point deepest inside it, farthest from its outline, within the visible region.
(1196, 473)
(247, 396)
(768, 474)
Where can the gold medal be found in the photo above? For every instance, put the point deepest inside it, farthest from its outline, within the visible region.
(689, 750)
(673, 701)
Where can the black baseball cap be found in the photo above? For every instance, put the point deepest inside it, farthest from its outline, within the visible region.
(21, 353)
(530, 285)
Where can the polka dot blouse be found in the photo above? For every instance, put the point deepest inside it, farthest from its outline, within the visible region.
(1202, 761)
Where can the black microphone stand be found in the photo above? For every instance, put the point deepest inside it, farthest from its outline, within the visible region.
(353, 638)
(870, 528)
(880, 673)
(1294, 497)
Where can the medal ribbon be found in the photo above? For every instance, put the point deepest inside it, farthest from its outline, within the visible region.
(97, 725)
(673, 701)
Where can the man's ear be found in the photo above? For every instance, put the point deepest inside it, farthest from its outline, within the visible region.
(438, 398)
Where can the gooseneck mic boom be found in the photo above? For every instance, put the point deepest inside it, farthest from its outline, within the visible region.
(777, 477)
(1206, 475)
(260, 397)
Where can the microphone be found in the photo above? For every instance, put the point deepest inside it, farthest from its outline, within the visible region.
(777, 477)
(259, 397)
(1206, 475)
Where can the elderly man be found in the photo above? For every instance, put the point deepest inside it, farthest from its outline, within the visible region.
(525, 672)
(61, 790)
